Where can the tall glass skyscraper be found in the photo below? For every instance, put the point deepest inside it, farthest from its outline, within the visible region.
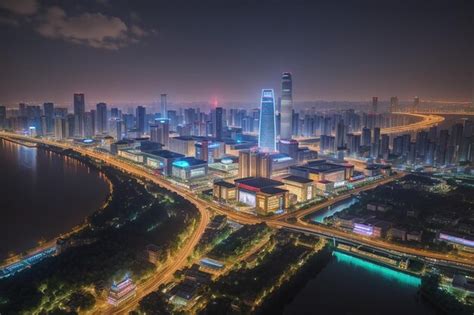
(164, 106)
(267, 130)
(79, 110)
(286, 118)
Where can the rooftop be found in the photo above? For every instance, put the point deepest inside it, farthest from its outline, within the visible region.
(166, 154)
(273, 190)
(184, 138)
(187, 162)
(298, 179)
(258, 182)
(224, 184)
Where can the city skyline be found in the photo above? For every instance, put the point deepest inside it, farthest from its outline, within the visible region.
(131, 53)
(236, 157)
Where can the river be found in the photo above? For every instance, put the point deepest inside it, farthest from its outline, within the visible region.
(350, 285)
(43, 194)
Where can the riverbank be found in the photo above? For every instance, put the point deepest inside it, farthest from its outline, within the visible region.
(111, 244)
(43, 168)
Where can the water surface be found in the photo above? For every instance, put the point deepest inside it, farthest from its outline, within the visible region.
(43, 194)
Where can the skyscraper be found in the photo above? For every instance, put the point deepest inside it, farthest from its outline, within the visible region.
(101, 118)
(375, 101)
(79, 109)
(3, 117)
(217, 123)
(48, 109)
(254, 164)
(416, 103)
(286, 113)
(267, 129)
(164, 106)
(394, 104)
(159, 132)
(141, 119)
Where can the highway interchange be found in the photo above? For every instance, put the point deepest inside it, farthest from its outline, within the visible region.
(179, 260)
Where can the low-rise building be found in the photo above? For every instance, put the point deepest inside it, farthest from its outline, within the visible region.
(162, 160)
(224, 191)
(324, 187)
(132, 154)
(189, 168)
(460, 241)
(398, 233)
(300, 186)
(414, 235)
(262, 193)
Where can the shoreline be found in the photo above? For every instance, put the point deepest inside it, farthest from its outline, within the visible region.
(51, 243)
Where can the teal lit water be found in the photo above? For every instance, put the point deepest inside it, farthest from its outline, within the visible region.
(350, 285)
(387, 273)
(327, 212)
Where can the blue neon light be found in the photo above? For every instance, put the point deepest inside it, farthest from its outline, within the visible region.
(181, 164)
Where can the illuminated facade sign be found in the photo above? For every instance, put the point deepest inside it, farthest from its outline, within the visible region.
(456, 239)
(363, 229)
(247, 197)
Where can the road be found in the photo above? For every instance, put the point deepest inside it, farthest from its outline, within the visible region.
(180, 259)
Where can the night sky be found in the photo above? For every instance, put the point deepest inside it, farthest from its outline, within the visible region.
(131, 51)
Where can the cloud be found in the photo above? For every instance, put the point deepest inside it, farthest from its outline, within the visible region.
(92, 29)
(21, 7)
(9, 21)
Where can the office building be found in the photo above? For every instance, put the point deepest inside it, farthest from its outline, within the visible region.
(89, 125)
(140, 119)
(101, 112)
(262, 193)
(254, 164)
(224, 191)
(267, 129)
(301, 187)
(48, 110)
(286, 113)
(375, 103)
(162, 160)
(416, 104)
(79, 110)
(289, 147)
(3, 117)
(394, 104)
(189, 168)
(159, 132)
(183, 145)
(218, 123)
(164, 106)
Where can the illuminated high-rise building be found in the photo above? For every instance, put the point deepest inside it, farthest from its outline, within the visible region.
(254, 164)
(101, 118)
(218, 123)
(286, 113)
(59, 128)
(416, 103)
(89, 122)
(267, 129)
(394, 104)
(164, 106)
(375, 103)
(79, 110)
(141, 119)
(3, 117)
(159, 132)
(48, 109)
